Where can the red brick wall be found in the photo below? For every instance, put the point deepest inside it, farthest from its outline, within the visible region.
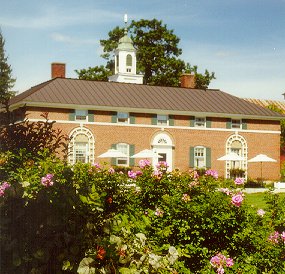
(183, 139)
(143, 118)
(103, 116)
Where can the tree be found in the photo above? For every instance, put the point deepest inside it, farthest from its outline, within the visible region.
(275, 108)
(201, 81)
(98, 73)
(157, 54)
(6, 80)
(33, 137)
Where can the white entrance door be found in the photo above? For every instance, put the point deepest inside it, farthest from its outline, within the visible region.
(165, 154)
(162, 145)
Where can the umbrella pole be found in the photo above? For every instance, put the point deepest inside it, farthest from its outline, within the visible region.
(261, 172)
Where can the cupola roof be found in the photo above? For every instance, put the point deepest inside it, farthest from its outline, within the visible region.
(126, 43)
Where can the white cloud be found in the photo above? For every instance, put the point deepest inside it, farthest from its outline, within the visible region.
(224, 53)
(58, 37)
(52, 17)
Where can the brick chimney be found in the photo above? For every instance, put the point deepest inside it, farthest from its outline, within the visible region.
(187, 80)
(57, 70)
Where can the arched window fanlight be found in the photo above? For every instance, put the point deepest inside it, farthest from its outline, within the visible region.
(81, 146)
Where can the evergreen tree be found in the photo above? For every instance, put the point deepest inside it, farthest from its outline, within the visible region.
(6, 80)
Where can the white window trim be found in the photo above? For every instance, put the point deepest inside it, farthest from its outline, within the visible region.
(78, 149)
(71, 146)
(122, 114)
(236, 125)
(197, 122)
(166, 119)
(81, 113)
(244, 151)
(200, 157)
(127, 153)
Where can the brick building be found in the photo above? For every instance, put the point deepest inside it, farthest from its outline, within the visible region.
(187, 127)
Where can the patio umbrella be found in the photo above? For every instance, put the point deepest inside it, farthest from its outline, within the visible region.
(231, 157)
(261, 158)
(146, 153)
(113, 153)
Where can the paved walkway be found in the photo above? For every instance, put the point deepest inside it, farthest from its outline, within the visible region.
(257, 190)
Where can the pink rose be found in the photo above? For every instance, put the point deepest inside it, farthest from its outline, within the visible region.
(47, 180)
(144, 163)
(132, 174)
(239, 181)
(237, 200)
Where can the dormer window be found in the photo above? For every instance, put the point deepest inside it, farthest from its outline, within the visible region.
(81, 115)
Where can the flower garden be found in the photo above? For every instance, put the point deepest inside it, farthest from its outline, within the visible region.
(88, 218)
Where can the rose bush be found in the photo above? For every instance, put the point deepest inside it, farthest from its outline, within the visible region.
(86, 218)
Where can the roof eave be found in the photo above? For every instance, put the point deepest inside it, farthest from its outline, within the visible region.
(146, 110)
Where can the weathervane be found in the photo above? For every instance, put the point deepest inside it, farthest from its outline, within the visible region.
(126, 22)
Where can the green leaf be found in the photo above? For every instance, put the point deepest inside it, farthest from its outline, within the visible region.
(83, 199)
(125, 270)
(85, 268)
(66, 265)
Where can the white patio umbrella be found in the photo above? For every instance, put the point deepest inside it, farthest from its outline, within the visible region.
(261, 158)
(231, 157)
(113, 153)
(146, 153)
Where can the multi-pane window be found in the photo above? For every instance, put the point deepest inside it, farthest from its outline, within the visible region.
(236, 123)
(81, 115)
(124, 148)
(81, 146)
(162, 120)
(123, 117)
(200, 122)
(236, 147)
(200, 157)
(81, 152)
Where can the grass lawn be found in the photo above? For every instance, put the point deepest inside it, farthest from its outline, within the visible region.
(258, 200)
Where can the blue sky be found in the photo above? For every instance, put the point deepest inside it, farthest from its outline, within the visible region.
(242, 41)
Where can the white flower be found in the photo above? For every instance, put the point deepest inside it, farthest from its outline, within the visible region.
(172, 255)
(25, 184)
(141, 237)
(115, 240)
(260, 212)
(154, 260)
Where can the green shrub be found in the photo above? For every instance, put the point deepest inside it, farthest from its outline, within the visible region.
(57, 218)
(250, 183)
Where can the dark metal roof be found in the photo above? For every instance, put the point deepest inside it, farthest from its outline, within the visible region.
(144, 97)
(266, 103)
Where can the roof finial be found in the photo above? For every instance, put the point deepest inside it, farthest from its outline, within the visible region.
(126, 22)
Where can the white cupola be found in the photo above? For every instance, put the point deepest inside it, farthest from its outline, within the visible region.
(126, 61)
